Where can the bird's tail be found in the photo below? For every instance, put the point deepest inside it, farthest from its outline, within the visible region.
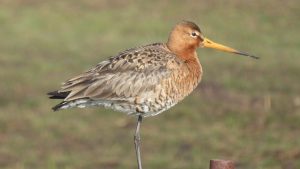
(58, 95)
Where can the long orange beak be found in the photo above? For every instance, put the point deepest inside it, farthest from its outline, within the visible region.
(210, 44)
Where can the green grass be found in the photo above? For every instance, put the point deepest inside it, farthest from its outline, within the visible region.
(244, 110)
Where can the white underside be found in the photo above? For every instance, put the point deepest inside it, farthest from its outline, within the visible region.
(121, 107)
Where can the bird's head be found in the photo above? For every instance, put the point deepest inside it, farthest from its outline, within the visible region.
(186, 37)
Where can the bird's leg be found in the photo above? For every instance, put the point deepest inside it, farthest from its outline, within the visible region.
(137, 142)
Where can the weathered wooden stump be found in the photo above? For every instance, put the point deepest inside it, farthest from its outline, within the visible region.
(221, 164)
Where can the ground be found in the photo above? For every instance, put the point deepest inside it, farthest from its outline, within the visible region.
(245, 110)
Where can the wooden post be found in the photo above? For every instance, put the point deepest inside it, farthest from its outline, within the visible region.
(221, 164)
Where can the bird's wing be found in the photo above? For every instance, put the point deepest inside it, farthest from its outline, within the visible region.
(126, 75)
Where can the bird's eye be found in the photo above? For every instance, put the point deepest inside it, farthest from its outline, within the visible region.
(194, 34)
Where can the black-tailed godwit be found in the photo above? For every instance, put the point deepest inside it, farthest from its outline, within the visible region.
(142, 81)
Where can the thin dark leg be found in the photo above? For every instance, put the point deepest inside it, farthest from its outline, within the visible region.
(137, 142)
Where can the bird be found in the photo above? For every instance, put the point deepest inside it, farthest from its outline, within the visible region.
(142, 81)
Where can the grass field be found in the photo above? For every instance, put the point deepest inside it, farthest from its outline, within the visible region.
(245, 110)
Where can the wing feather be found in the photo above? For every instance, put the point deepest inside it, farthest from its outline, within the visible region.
(126, 75)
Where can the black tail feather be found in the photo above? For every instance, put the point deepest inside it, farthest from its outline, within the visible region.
(58, 95)
(58, 106)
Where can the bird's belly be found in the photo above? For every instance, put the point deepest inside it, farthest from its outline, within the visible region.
(145, 106)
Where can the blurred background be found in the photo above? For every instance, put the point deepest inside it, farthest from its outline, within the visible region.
(244, 110)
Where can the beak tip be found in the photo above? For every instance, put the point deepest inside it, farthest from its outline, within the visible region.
(246, 54)
(254, 57)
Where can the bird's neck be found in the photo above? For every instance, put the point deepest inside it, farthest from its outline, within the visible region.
(181, 48)
(185, 52)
